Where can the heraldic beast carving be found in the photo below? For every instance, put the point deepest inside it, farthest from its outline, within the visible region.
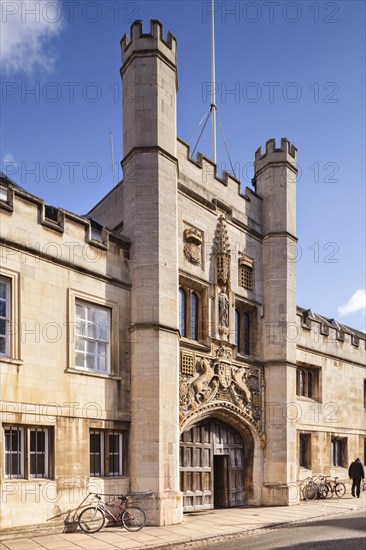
(217, 379)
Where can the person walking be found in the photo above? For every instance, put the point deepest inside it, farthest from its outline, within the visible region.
(356, 472)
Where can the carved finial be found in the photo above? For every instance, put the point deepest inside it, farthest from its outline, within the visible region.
(222, 253)
(222, 239)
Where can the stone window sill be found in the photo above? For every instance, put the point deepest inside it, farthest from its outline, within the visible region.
(11, 361)
(91, 373)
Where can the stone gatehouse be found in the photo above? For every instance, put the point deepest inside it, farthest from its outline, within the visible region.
(155, 346)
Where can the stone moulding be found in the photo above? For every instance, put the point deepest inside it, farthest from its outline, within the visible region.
(214, 383)
(246, 261)
(186, 419)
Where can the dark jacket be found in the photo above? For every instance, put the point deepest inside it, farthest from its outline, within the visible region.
(356, 470)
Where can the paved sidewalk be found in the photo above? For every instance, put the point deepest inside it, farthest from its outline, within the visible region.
(195, 527)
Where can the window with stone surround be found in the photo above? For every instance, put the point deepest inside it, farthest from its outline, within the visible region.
(94, 330)
(5, 315)
(338, 451)
(182, 312)
(106, 453)
(246, 273)
(307, 382)
(28, 452)
(92, 337)
(9, 316)
(244, 328)
(190, 311)
(305, 450)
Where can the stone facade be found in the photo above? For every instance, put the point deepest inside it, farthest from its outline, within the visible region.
(207, 385)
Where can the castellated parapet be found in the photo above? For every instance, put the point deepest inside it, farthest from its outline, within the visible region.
(154, 40)
(149, 88)
(273, 155)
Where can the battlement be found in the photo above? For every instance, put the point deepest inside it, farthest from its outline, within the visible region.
(42, 217)
(154, 40)
(210, 168)
(199, 180)
(273, 154)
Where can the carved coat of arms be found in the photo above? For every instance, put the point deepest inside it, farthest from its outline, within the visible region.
(224, 372)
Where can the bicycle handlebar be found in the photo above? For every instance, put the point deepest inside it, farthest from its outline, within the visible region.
(99, 496)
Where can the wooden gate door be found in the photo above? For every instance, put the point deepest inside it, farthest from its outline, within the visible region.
(211, 467)
(196, 468)
(227, 442)
(236, 473)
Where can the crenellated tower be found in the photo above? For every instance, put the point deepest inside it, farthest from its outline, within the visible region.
(275, 181)
(149, 75)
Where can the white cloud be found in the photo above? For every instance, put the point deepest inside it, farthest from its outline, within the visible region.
(9, 165)
(27, 28)
(356, 303)
(8, 157)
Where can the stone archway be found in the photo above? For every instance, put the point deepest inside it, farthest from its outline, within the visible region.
(216, 463)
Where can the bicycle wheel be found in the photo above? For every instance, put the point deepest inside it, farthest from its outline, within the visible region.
(134, 518)
(91, 520)
(323, 490)
(330, 491)
(310, 491)
(340, 490)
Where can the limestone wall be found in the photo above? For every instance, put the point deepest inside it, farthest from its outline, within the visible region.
(49, 266)
(337, 410)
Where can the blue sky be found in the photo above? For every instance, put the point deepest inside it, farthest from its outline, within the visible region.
(284, 69)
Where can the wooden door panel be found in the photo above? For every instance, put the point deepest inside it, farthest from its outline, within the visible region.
(201, 483)
(196, 469)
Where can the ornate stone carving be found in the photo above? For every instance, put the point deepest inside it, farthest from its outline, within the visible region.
(194, 236)
(224, 372)
(240, 386)
(224, 306)
(205, 385)
(224, 352)
(222, 253)
(217, 381)
(193, 253)
(193, 244)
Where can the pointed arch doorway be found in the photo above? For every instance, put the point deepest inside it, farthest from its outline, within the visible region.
(212, 466)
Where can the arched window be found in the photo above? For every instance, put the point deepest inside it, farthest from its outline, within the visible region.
(237, 328)
(246, 334)
(194, 316)
(182, 312)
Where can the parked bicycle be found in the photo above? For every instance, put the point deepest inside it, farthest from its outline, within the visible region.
(93, 518)
(334, 487)
(313, 487)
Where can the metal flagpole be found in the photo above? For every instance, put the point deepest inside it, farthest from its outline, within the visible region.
(213, 81)
(112, 155)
